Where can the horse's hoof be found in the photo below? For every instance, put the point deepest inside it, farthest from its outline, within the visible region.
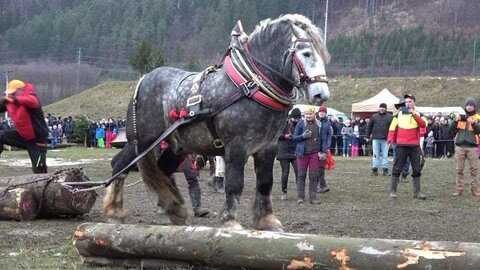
(116, 217)
(269, 223)
(178, 214)
(232, 225)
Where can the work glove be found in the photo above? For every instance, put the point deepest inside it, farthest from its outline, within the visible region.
(322, 156)
(3, 102)
(288, 136)
(307, 134)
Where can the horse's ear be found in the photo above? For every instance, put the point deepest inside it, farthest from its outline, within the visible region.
(238, 34)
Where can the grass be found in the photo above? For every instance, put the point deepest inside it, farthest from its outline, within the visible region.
(111, 99)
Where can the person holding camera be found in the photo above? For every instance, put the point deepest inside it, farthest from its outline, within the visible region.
(31, 131)
(467, 130)
(307, 137)
(404, 131)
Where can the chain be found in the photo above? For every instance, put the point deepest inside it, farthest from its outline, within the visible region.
(77, 190)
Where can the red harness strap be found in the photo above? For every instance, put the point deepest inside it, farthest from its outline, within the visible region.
(240, 81)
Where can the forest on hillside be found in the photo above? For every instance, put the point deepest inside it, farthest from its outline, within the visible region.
(365, 37)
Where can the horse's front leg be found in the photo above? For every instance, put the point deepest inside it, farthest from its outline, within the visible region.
(235, 158)
(263, 217)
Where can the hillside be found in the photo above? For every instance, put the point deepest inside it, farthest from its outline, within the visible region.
(111, 99)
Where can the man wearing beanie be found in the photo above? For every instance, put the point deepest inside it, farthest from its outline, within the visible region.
(377, 130)
(286, 150)
(467, 130)
(325, 134)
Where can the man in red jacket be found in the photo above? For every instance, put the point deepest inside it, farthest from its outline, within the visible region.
(30, 132)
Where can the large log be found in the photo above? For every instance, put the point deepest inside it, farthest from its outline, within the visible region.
(17, 204)
(52, 198)
(155, 246)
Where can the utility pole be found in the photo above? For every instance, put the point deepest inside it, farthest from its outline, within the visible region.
(474, 57)
(79, 61)
(326, 23)
(6, 87)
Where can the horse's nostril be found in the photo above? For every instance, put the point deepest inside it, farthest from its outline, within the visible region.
(318, 100)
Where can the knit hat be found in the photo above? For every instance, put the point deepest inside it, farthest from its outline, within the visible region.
(322, 108)
(471, 101)
(383, 105)
(295, 113)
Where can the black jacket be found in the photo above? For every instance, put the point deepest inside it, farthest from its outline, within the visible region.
(378, 126)
(286, 147)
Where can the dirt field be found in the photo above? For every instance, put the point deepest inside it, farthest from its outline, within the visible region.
(357, 206)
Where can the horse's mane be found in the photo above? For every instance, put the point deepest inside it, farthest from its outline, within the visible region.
(313, 32)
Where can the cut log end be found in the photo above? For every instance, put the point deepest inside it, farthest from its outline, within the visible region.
(18, 204)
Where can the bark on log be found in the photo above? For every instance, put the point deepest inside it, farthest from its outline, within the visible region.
(54, 199)
(17, 204)
(144, 245)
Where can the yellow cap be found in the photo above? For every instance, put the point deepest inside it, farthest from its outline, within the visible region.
(13, 85)
(310, 109)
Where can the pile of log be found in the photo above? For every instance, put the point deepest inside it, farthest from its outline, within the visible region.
(27, 197)
(155, 246)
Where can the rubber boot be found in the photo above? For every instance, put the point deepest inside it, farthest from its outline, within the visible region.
(393, 187)
(475, 191)
(417, 194)
(374, 171)
(322, 183)
(457, 193)
(196, 199)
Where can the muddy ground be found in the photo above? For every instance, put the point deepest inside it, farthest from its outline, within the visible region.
(357, 206)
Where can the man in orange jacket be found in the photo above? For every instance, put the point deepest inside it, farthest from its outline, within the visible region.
(405, 132)
(31, 131)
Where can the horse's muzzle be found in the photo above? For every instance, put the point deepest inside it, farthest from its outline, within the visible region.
(318, 93)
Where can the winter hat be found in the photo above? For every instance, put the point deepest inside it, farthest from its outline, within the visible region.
(471, 101)
(295, 113)
(383, 105)
(322, 108)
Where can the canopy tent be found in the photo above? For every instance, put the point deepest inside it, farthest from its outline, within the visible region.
(444, 111)
(367, 107)
(330, 111)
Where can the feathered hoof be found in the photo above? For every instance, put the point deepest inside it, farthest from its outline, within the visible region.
(269, 223)
(116, 216)
(232, 225)
(178, 214)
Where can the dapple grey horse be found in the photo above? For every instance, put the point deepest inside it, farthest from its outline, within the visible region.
(278, 59)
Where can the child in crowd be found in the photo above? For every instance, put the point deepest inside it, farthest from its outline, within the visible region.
(430, 140)
(346, 134)
(355, 140)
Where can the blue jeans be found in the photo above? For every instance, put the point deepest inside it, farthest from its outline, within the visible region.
(380, 151)
(346, 146)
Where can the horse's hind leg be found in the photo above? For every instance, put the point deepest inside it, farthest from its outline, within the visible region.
(263, 217)
(160, 182)
(113, 200)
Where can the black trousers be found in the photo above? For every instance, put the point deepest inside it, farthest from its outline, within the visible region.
(36, 150)
(285, 165)
(414, 153)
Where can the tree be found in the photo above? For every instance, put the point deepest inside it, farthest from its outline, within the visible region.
(139, 59)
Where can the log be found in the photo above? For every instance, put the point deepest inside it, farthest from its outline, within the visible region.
(52, 198)
(17, 204)
(154, 245)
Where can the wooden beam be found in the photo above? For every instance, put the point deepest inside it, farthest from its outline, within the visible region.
(142, 245)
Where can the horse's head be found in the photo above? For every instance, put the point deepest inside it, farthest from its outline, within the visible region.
(294, 55)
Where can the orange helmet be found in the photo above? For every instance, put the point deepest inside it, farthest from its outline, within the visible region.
(13, 85)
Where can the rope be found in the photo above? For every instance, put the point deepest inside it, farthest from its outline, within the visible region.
(77, 190)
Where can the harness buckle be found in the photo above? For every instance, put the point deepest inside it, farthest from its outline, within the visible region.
(194, 100)
(218, 143)
(248, 88)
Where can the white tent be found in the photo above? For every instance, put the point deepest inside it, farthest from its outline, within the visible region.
(369, 106)
(431, 111)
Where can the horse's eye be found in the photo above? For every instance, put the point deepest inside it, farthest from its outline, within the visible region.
(306, 54)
